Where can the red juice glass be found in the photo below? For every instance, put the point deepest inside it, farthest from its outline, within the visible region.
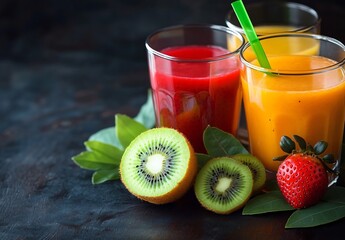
(195, 79)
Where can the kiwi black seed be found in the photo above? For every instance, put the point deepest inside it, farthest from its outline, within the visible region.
(257, 169)
(223, 185)
(158, 166)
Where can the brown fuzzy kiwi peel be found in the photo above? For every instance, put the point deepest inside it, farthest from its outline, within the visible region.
(164, 178)
(223, 185)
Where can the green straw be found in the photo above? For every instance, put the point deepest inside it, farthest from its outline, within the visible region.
(248, 29)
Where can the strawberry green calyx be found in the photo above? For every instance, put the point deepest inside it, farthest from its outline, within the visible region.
(289, 146)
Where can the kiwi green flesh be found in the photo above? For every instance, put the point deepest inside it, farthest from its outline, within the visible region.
(223, 185)
(155, 162)
(256, 167)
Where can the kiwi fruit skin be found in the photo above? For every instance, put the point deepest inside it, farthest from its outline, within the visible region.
(256, 167)
(243, 198)
(182, 186)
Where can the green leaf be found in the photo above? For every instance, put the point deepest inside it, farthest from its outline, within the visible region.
(97, 157)
(322, 213)
(105, 147)
(286, 144)
(127, 129)
(146, 115)
(301, 142)
(328, 158)
(267, 202)
(107, 136)
(108, 150)
(202, 159)
(330, 209)
(102, 176)
(94, 161)
(89, 165)
(219, 143)
(320, 147)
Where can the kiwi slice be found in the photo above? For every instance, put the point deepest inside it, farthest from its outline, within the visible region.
(158, 166)
(223, 185)
(257, 169)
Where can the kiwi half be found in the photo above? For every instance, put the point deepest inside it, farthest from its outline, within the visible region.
(159, 166)
(257, 169)
(223, 185)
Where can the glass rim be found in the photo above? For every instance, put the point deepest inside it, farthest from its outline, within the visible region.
(336, 65)
(299, 6)
(196, 26)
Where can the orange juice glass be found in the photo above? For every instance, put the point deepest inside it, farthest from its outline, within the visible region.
(302, 94)
(276, 17)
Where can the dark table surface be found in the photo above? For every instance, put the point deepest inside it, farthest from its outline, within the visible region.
(66, 68)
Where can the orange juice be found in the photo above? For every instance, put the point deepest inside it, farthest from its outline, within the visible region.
(269, 29)
(301, 46)
(309, 105)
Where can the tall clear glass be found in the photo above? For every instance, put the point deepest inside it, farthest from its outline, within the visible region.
(303, 93)
(276, 17)
(195, 79)
(270, 17)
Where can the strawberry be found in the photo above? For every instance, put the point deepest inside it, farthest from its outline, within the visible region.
(302, 177)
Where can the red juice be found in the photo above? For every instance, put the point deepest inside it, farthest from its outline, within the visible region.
(201, 89)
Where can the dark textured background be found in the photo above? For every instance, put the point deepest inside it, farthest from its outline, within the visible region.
(66, 67)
